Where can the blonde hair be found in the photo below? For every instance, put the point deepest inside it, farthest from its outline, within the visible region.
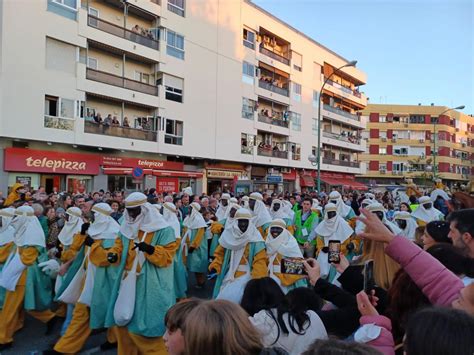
(385, 267)
(220, 327)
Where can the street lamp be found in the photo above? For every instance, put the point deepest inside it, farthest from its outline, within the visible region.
(318, 158)
(435, 138)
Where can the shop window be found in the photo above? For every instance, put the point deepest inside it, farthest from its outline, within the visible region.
(174, 132)
(247, 142)
(175, 44)
(249, 38)
(174, 88)
(176, 7)
(248, 108)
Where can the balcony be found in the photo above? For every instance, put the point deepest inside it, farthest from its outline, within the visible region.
(150, 40)
(273, 120)
(274, 55)
(354, 139)
(350, 164)
(62, 123)
(345, 89)
(118, 131)
(269, 152)
(273, 88)
(122, 82)
(341, 112)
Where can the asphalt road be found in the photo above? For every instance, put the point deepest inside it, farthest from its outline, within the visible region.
(32, 339)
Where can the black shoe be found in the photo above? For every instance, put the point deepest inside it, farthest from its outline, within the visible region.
(6, 346)
(107, 346)
(50, 325)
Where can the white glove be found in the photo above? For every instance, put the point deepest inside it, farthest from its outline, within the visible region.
(50, 267)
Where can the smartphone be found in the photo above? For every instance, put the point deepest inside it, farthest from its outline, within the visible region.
(369, 281)
(334, 251)
(292, 266)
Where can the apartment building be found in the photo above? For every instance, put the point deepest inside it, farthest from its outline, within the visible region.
(419, 142)
(110, 94)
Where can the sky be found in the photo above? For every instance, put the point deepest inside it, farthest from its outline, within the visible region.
(413, 51)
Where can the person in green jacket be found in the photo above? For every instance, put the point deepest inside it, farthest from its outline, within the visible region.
(305, 222)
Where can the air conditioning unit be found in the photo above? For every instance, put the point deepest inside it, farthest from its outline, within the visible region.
(384, 139)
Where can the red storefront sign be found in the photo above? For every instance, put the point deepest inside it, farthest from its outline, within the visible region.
(113, 161)
(167, 185)
(39, 161)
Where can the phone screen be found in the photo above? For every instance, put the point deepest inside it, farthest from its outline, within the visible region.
(369, 281)
(334, 250)
(292, 266)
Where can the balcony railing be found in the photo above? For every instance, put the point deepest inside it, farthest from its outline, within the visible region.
(273, 88)
(274, 55)
(120, 81)
(269, 152)
(148, 41)
(351, 164)
(66, 124)
(117, 131)
(344, 88)
(339, 137)
(341, 112)
(246, 150)
(273, 121)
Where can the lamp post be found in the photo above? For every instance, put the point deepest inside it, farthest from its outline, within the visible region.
(435, 138)
(318, 158)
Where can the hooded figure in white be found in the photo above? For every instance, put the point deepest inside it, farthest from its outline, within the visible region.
(333, 227)
(425, 213)
(278, 210)
(71, 227)
(343, 210)
(360, 226)
(7, 245)
(171, 217)
(239, 257)
(379, 210)
(261, 217)
(406, 223)
(222, 207)
(316, 207)
(281, 244)
(244, 202)
(288, 208)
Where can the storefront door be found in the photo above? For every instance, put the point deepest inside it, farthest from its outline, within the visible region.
(52, 181)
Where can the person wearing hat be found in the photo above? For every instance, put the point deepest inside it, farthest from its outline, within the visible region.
(305, 223)
(27, 287)
(379, 210)
(316, 207)
(91, 306)
(170, 214)
(279, 210)
(145, 246)
(406, 223)
(240, 256)
(17, 190)
(334, 227)
(426, 213)
(222, 207)
(7, 244)
(194, 245)
(260, 214)
(360, 226)
(281, 244)
(343, 210)
(218, 227)
(244, 202)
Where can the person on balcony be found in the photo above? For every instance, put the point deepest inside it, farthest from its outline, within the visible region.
(115, 122)
(125, 122)
(98, 118)
(108, 120)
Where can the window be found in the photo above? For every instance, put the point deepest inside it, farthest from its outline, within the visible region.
(176, 7)
(249, 39)
(59, 107)
(383, 167)
(382, 151)
(315, 98)
(383, 135)
(174, 132)
(417, 119)
(248, 72)
(51, 106)
(71, 4)
(174, 88)
(297, 92)
(142, 77)
(434, 119)
(92, 63)
(247, 142)
(398, 167)
(297, 60)
(248, 108)
(175, 44)
(295, 149)
(314, 150)
(400, 151)
(61, 56)
(315, 126)
(295, 119)
(382, 119)
(93, 20)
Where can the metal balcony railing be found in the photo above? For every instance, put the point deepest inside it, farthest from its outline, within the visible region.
(118, 131)
(345, 89)
(339, 137)
(274, 55)
(273, 121)
(351, 164)
(268, 152)
(120, 81)
(273, 88)
(340, 112)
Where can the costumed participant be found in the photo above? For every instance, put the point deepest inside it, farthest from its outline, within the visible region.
(412, 188)
(7, 245)
(406, 223)
(281, 244)
(27, 287)
(426, 213)
(370, 196)
(95, 285)
(288, 208)
(343, 210)
(379, 210)
(144, 289)
(316, 207)
(244, 202)
(334, 227)
(278, 210)
(195, 247)
(15, 194)
(360, 226)
(222, 207)
(261, 216)
(305, 223)
(218, 227)
(180, 272)
(239, 257)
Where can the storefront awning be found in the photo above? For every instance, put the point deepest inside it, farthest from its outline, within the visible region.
(183, 174)
(355, 185)
(346, 183)
(333, 181)
(307, 181)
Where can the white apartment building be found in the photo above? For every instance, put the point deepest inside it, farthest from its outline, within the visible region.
(213, 94)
